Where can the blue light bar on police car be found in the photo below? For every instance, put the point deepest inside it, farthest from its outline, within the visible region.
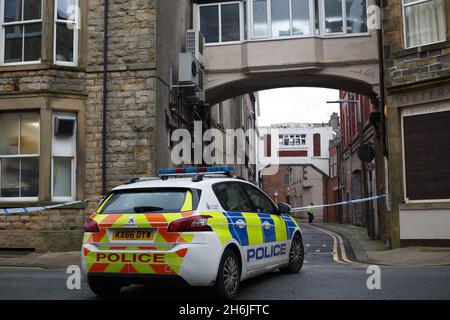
(190, 171)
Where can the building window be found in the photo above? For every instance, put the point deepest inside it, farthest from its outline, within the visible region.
(292, 140)
(333, 12)
(424, 22)
(19, 156)
(285, 17)
(427, 172)
(221, 22)
(356, 16)
(63, 157)
(66, 32)
(22, 31)
(260, 19)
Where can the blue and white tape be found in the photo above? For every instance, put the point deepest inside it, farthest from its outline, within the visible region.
(344, 203)
(68, 204)
(44, 208)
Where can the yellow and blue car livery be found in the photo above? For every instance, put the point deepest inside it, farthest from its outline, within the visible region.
(152, 242)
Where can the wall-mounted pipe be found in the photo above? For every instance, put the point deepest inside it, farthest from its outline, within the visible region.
(382, 86)
(105, 92)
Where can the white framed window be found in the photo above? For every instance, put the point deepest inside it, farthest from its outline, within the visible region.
(66, 32)
(292, 140)
(221, 22)
(63, 184)
(424, 22)
(281, 18)
(21, 34)
(342, 17)
(19, 156)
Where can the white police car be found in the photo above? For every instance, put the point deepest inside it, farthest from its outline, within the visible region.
(199, 226)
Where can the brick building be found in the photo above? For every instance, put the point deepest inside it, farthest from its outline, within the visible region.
(333, 184)
(417, 65)
(52, 107)
(358, 179)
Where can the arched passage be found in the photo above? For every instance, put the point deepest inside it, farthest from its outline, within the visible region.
(232, 86)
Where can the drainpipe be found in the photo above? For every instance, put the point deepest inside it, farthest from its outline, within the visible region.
(382, 86)
(105, 92)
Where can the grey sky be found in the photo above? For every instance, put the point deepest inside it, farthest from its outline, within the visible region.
(297, 105)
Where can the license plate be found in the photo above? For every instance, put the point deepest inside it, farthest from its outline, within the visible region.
(133, 235)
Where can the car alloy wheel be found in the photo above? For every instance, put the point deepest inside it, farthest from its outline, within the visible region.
(296, 253)
(231, 276)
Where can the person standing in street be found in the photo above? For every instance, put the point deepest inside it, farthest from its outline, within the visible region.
(311, 213)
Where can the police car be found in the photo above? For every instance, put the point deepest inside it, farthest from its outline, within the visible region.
(199, 226)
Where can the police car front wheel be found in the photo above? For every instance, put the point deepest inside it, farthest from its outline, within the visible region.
(229, 275)
(296, 256)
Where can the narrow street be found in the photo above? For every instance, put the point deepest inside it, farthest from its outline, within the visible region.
(321, 278)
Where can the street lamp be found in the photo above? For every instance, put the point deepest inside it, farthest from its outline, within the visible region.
(363, 166)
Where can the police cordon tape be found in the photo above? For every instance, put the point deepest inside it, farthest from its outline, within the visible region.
(44, 208)
(68, 204)
(339, 203)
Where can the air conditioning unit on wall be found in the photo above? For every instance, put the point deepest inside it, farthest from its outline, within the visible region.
(195, 44)
(190, 71)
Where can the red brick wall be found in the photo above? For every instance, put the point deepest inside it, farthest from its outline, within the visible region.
(276, 183)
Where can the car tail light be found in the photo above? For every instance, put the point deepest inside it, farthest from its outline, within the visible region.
(91, 226)
(190, 224)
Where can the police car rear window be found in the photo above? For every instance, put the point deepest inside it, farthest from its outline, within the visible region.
(149, 201)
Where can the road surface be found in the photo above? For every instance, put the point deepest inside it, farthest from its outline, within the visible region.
(320, 278)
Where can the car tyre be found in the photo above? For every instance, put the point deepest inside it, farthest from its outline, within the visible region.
(229, 276)
(296, 256)
(104, 289)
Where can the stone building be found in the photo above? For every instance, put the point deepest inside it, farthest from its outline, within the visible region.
(52, 103)
(417, 65)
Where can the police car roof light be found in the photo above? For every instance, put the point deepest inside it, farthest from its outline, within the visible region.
(192, 171)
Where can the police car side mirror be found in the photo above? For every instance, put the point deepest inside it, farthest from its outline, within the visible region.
(284, 208)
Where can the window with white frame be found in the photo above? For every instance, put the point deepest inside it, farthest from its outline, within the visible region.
(343, 16)
(292, 140)
(281, 18)
(221, 22)
(63, 157)
(424, 22)
(262, 19)
(66, 32)
(21, 31)
(19, 156)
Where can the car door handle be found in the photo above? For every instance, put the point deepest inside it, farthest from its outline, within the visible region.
(241, 224)
(266, 225)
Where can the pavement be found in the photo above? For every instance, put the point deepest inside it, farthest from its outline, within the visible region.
(325, 275)
(371, 251)
(50, 260)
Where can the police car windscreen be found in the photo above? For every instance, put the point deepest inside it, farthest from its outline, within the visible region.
(154, 201)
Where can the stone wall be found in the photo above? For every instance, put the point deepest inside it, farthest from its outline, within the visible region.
(23, 81)
(414, 76)
(131, 93)
(406, 66)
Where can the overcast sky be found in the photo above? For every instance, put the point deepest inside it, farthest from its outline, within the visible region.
(303, 105)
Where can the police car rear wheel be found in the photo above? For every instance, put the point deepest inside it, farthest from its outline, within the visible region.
(228, 278)
(104, 289)
(296, 256)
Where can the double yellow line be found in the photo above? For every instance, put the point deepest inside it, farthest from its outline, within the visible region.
(338, 246)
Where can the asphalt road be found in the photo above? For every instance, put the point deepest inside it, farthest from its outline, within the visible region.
(320, 278)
